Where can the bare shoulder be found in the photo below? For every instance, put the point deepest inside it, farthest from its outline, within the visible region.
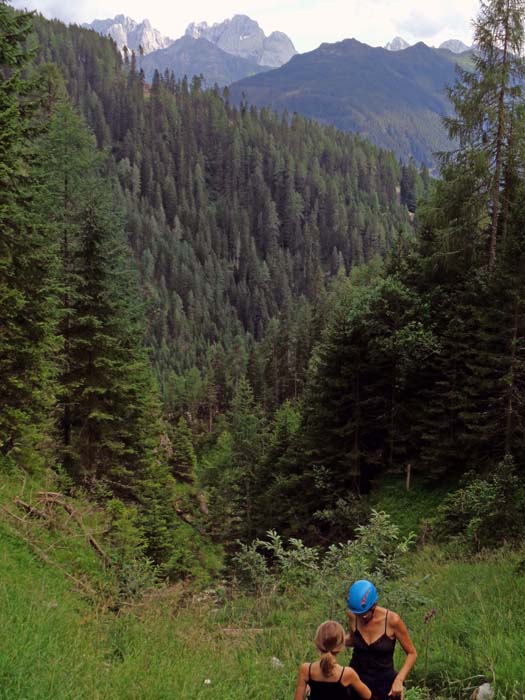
(394, 619)
(304, 670)
(349, 676)
(396, 626)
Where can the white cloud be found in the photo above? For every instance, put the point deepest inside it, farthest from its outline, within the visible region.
(307, 22)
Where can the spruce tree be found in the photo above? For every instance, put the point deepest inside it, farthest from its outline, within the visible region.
(27, 257)
(182, 458)
(105, 379)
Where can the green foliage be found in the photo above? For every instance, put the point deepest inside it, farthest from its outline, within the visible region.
(488, 105)
(230, 470)
(250, 568)
(487, 512)
(55, 641)
(236, 218)
(378, 547)
(361, 386)
(28, 261)
(410, 510)
(182, 459)
(377, 553)
(219, 477)
(345, 516)
(233, 214)
(124, 533)
(296, 564)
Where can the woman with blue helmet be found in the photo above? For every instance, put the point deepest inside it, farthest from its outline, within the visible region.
(373, 632)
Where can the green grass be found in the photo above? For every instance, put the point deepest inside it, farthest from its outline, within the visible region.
(57, 643)
(408, 509)
(478, 627)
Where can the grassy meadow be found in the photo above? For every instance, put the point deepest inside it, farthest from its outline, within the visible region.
(59, 641)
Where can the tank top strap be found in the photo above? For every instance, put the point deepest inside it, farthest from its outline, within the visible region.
(309, 669)
(341, 676)
(386, 620)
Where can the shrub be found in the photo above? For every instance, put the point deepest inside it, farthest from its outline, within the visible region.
(485, 512)
(295, 565)
(250, 569)
(375, 553)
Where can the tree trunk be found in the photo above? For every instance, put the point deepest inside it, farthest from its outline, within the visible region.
(498, 151)
(509, 409)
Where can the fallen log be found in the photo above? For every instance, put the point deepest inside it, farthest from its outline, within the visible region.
(31, 510)
(57, 499)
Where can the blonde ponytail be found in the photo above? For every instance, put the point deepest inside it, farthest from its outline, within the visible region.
(327, 663)
(330, 640)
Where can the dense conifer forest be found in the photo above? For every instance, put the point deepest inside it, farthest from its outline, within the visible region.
(217, 320)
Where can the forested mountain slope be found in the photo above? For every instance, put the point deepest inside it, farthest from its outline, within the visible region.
(232, 213)
(394, 98)
(189, 56)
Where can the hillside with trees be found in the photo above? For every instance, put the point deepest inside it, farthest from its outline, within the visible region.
(212, 282)
(164, 252)
(396, 99)
(231, 340)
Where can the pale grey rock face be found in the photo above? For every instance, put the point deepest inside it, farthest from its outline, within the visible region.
(127, 32)
(277, 50)
(242, 36)
(454, 45)
(397, 44)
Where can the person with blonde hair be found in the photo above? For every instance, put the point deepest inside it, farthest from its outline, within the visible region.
(326, 679)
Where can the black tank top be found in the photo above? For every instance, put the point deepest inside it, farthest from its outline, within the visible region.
(327, 690)
(374, 662)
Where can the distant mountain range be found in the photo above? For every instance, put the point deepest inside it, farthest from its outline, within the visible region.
(394, 98)
(222, 53)
(454, 45)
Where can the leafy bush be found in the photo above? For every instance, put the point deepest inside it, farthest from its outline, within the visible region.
(485, 512)
(378, 548)
(251, 568)
(295, 565)
(375, 553)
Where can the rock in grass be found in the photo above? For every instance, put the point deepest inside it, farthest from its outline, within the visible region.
(484, 692)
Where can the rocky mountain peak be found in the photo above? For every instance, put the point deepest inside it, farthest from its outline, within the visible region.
(126, 32)
(242, 36)
(397, 44)
(454, 45)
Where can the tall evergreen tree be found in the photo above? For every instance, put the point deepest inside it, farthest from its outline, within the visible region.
(104, 382)
(27, 257)
(485, 101)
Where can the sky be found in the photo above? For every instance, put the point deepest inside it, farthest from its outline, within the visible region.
(307, 22)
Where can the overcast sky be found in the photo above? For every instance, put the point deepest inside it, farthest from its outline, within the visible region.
(307, 22)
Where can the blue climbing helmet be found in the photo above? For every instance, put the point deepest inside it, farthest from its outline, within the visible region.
(361, 596)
